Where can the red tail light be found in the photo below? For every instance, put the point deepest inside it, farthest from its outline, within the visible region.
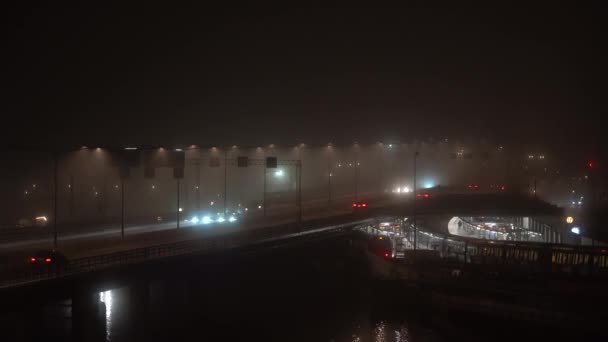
(364, 205)
(386, 255)
(426, 195)
(503, 188)
(419, 195)
(32, 259)
(354, 205)
(47, 260)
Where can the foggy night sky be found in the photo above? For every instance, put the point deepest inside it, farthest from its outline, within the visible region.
(154, 74)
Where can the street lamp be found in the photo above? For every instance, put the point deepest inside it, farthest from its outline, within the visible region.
(414, 211)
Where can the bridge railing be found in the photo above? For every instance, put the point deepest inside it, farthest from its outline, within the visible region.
(275, 234)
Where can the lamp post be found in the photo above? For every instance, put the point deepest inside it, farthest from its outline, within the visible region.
(265, 176)
(55, 184)
(356, 147)
(328, 174)
(414, 211)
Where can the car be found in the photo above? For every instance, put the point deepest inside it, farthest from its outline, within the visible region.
(359, 206)
(48, 259)
(474, 186)
(380, 246)
(423, 195)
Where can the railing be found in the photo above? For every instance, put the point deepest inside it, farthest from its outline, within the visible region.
(185, 248)
(523, 256)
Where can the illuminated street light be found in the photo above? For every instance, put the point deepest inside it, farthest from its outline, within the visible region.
(180, 210)
(569, 219)
(279, 173)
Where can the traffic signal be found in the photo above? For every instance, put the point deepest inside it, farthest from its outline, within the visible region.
(271, 162)
(214, 162)
(149, 172)
(242, 161)
(124, 172)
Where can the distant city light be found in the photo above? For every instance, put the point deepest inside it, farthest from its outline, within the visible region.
(211, 203)
(231, 219)
(575, 230)
(221, 219)
(153, 187)
(180, 210)
(259, 207)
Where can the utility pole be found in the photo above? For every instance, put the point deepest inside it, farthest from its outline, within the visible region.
(122, 207)
(177, 202)
(71, 196)
(55, 185)
(198, 185)
(356, 175)
(414, 211)
(328, 180)
(299, 174)
(225, 180)
(264, 191)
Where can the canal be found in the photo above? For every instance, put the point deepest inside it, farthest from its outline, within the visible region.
(318, 291)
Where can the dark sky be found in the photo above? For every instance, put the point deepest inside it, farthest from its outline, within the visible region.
(156, 74)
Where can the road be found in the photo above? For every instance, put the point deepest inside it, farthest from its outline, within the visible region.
(108, 240)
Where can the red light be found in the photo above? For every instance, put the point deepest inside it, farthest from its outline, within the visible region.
(354, 205)
(470, 186)
(419, 195)
(386, 255)
(590, 164)
(47, 260)
(426, 195)
(364, 205)
(476, 186)
(32, 259)
(503, 188)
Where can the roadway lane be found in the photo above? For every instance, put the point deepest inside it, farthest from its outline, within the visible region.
(45, 239)
(109, 241)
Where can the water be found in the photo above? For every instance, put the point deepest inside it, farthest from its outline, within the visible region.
(319, 292)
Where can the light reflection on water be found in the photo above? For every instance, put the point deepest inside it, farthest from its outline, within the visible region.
(106, 297)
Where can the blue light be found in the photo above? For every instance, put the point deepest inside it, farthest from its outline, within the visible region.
(575, 230)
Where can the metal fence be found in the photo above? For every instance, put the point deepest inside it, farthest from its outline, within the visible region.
(180, 249)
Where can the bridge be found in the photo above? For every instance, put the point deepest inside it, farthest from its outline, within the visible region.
(105, 248)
